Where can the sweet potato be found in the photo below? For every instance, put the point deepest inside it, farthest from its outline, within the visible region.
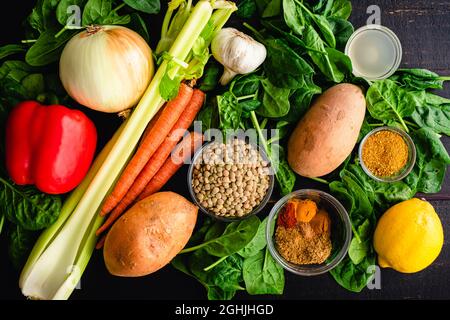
(328, 132)
(149, 235)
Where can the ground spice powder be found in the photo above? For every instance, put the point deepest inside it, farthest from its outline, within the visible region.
(385, 153)
(302, 244)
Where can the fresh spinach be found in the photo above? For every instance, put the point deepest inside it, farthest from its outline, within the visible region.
(355, 277)
(62, 12)
(11, 49)
(284, 66)
(224, 276)
(138, 24)
(388, 101)
(342, 30)
(275, 103)
(262, 274)
(257, 243)
(334, 8)
(95, 10)
(27, 207)
(211, 76)
(235, 237)
(436, 118)
(300, 101)
(147, 6)
(419, 79)
(245, 85)
(247, 9)
(230, 112)
(269, 8)
(21, 242)
(321, 60)
(293, 16)
(47, 48)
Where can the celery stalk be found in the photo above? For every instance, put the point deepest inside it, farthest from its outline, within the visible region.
(69, 205)
(49, 273)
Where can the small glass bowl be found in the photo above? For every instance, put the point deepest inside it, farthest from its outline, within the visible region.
(409, 164)
(395, 41)
(256, 210)
(341, 232)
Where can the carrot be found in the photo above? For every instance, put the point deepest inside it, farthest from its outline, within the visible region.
(151, 125)
(171, 166)
(100, 242)
(169, 116)
(158, 158)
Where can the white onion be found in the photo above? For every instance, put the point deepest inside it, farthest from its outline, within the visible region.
(106, 68)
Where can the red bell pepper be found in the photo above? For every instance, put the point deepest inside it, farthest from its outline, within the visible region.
(51, 147)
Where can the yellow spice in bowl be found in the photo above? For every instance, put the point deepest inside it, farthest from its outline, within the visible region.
(385, 153)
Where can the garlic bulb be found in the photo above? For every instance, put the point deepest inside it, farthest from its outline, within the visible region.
(237, 52)
(106, 68)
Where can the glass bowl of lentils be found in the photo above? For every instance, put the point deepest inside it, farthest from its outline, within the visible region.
(230, 180)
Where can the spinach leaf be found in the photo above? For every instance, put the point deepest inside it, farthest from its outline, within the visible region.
(11, 49)
(334, 8)
(269, 8)
(42, 16)
(360, 247)
(229, 111)
(21, 242)
(342, 30)
(293, 16)
(322, 61)
(113, 19)
(283, 172)
(208, 116)
(339, 61)
(275, 103)
(61, 10)
(284, 66)
(387, 101)
(95, 10)
(325, 29)
(235, 236)
(211, 77)
(436, 118)
(247, 9)
(418, 79)
(47, 48)
(138, 25)
(354, 277)
(228, 274)
(300, 101)
(431, 163)
(257, 243)
(263, 275)
(27, 207)
(245, 85)
(147, 6)
(340, 9)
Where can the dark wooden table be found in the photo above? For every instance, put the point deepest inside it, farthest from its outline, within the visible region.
(423, 27)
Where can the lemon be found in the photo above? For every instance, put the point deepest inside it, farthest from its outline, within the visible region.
(409, 236)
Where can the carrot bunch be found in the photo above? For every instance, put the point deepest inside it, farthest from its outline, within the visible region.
(152, 165)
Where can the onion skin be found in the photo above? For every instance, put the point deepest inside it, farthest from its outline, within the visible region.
(106, 68)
